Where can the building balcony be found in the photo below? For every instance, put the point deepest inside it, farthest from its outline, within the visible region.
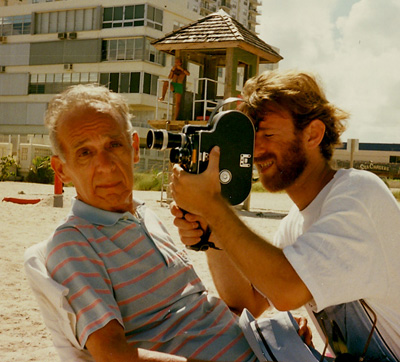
(254, 10)
(210, 7)
(253, 20)
(225, 5)
(205, 12)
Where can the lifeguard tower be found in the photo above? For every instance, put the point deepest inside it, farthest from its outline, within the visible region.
(225, 53)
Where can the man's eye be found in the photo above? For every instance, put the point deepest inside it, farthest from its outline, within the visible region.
(116, 144)
(84, 152)
(265, 135)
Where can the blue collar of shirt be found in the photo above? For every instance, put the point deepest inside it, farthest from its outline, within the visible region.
(98, 216)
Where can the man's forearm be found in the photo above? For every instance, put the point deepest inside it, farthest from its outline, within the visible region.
(232, 286)
(263, 264)
(108, 344)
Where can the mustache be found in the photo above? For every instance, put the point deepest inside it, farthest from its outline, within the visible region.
(264, 157)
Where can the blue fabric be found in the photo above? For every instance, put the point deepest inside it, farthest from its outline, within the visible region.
(276, 338)
(354, 326)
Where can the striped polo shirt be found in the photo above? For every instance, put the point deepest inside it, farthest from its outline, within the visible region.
(118, 266)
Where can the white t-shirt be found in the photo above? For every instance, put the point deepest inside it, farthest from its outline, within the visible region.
(346, 246)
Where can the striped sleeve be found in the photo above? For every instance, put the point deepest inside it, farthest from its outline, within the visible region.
(72, 262)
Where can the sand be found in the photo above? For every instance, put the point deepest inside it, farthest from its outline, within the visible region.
(23, 335)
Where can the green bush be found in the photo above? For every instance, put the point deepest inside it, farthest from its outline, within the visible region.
(7, 163)
(148, 181)
(41, 171)
(257, 187)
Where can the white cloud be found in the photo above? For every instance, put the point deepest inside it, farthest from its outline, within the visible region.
(357, 55)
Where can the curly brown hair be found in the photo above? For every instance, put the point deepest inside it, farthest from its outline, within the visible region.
(300, 94)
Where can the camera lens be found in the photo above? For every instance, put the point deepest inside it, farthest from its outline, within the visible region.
(162, 139)
(181, 156)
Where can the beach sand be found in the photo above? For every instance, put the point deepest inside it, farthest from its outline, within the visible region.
(23, 335)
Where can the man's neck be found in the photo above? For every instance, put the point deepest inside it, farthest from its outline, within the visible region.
(310, 183)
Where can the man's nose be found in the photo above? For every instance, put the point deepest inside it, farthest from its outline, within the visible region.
(259, 147)
(105, 161)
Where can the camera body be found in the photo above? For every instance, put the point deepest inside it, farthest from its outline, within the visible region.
(233, 132)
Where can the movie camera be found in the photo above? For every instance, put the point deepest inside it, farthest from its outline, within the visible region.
(232, 131)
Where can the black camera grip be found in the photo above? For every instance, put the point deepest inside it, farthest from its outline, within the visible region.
(204, 244)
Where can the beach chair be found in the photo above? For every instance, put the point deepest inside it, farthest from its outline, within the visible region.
(57, 313)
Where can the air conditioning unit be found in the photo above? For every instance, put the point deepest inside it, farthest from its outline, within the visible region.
(62, 36)
(3, 39)
(73, 35)
(2, 68)
(67, 66)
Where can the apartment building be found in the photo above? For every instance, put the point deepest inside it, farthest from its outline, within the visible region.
(46, 46)
(244, 11)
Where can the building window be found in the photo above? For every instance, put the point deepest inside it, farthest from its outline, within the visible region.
(131, 49)
(15, 25)
(121, 82)
(53, 83)
(130, 82)
(154, 17)
(135, 82)
(132, 15)
(65, 21)
(150, 84)
(394, 159)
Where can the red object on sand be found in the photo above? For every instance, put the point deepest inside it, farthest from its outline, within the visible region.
(58, 185)
(21, 201)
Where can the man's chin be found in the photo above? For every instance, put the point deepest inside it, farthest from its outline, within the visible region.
(116, 202)
(272, 185)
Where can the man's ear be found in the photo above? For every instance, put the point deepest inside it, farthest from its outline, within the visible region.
(315, 132)
(59, 168)
(136, 146)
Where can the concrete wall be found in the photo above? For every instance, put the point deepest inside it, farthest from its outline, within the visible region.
(21, 114)
(63, 52)
(14, 54)
(14, 84)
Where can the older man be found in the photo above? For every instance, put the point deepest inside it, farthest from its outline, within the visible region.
(135, 296)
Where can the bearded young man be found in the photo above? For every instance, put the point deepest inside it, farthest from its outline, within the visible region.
(337, 250)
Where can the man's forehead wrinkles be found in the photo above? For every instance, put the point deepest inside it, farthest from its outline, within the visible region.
(87, 140)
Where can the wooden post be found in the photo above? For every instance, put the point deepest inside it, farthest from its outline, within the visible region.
(352, 150)
(246, 203)
(229, 68)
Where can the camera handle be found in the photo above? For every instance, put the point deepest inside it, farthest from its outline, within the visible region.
(221, 104)
(204, 244)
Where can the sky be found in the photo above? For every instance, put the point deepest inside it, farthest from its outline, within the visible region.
(354, 47)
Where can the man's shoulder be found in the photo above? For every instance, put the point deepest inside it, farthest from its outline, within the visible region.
(362, 187)
(68, 230)
(73, 222)
(360, 178)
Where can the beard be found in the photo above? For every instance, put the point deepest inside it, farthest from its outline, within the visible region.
(292, 164)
